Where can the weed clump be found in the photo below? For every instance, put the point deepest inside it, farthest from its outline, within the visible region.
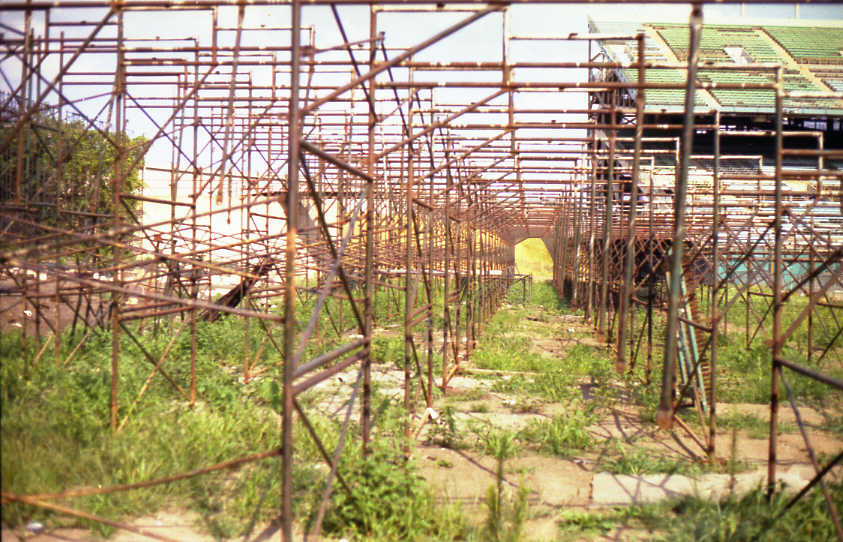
(563, 435)
(603, 522)
(751, 518)
(506, 514)
(384, 495)
(754, 517)
(643, 461)
(443, 431)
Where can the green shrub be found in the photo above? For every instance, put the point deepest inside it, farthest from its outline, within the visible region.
(388, 501)
(506, 513)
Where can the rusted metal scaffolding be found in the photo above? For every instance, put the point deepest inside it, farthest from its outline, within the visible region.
(629, 244)
(282, 170)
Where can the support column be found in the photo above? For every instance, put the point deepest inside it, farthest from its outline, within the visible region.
(715, 280)
(290, 277)
(366, 402)
(116, 189)
(778, 301)
(665, 412)
(626, 296)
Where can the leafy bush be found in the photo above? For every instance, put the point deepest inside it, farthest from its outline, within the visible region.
(87, 169)
(388, 501)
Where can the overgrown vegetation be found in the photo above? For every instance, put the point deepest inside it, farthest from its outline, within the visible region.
(755, 426)
(574, 522)
(389, 501)
(563, 435)
(751, 517)
(638, 461)
(47, 408)
(56, 433)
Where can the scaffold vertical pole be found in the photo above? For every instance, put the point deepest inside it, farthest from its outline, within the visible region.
(665, 410)
(778, 302)
(293, 146)
(629, 254)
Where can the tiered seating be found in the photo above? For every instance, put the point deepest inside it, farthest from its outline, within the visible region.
(660, 96)
(801, 84)
(652, 53)
(664, 96)
(819, 49)
(728, 166)
(810, 45)
(715, 38)
(796, 49)
(712, 43)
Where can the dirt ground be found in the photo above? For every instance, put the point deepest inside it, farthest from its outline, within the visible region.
(557, 483)
(22, 312)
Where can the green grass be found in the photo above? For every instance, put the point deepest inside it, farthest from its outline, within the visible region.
(544, 301)
(508, 344)
(56, 435)
(744, 372)
(472, 394)
(388, 350)
(506, 513)
(563, 435)
(834, 424)
(749, 518)
(524, 404)
(747, 375)
(753, 517)
(511, 354)
(755, 427)
(555, 385)
(640, 461)
(445, 431)
(572, 522)
(480, 408)
(559, 380)
(390, 501)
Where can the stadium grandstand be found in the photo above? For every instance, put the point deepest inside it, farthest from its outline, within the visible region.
(810, 57)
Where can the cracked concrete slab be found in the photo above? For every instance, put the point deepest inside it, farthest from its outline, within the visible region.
(625, 489)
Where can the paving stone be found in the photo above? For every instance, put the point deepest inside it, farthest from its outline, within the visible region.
(619, 489)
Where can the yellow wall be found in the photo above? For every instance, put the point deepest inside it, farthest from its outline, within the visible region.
(532, 257)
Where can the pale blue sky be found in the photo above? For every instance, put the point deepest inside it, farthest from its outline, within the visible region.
(480, 41)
